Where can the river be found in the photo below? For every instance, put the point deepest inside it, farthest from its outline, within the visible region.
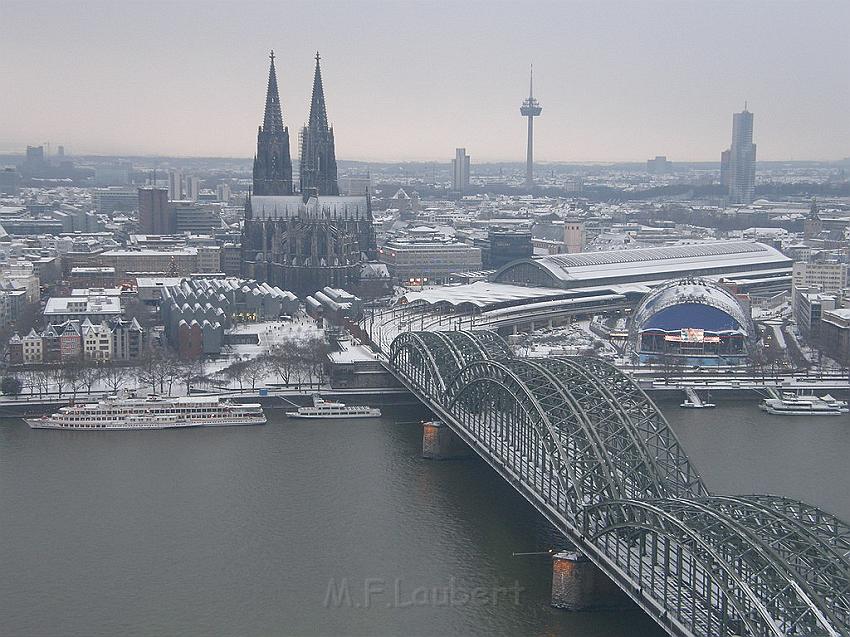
(299, 528)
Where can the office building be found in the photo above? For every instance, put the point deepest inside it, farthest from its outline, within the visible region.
(194, 218)
(460, 171)
(829, 276)
(192, 188)
(428, 260)
(109, 200)
(808, 306)
(738, 163)
(9, 181)
(154, 213)
(182, 261)
(659, 166)
(504, 245)
(175, 185)
(96, 307)
(835, 334)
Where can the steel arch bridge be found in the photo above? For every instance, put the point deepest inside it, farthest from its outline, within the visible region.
(585, 445)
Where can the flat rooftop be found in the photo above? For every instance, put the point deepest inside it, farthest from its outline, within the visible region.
(82, 305)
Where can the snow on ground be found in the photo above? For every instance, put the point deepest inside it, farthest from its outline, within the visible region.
(567, 340)
(269, 334)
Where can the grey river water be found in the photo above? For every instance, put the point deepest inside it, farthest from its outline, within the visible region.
(246, 531)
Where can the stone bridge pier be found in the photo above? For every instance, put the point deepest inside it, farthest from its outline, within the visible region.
(578, 584)
(439, 442)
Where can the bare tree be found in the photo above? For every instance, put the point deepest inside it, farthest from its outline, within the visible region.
(115, 376)
(72, 372)
(56, 376)
(153, 368)
(237, 371)
(89, 375)
(758, 360)
(283, 360)
(312, 354)
(34, 379)
(189, 372)
(256, 369)
(171, 369)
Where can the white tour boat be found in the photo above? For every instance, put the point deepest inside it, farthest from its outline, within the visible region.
(794, 405)
(689, 404)
(152, 412)
(328, 409)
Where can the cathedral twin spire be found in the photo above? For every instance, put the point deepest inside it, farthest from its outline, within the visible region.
(272, 117)
(318, 111)
(272, 163)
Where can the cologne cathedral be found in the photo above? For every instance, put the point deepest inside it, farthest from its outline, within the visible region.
(307, 239)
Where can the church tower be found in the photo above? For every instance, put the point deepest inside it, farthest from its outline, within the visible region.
(318, 157)
(272, 164)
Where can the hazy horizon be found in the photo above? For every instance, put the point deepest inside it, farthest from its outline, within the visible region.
(618, 81)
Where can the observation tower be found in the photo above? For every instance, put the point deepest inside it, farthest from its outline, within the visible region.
(530, 108)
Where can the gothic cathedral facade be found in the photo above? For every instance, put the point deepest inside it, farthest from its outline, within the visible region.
(306, 240)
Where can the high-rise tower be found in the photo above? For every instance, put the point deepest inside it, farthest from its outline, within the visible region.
(738, 164)
(272, 163)
(154, 214)
(530, 108)
(318, 157)
(460, 171)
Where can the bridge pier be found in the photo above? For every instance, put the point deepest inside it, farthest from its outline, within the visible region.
(578, 584)
(441, 443)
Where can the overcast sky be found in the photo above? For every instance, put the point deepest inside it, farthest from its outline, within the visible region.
(412, 80)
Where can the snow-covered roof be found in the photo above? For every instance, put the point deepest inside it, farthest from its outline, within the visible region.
(82, 305)
(285, 206)
(352, 354)
(480, 294)
(672, 261)
(692, 291)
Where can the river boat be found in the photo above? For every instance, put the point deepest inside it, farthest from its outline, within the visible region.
(153, 412)
(688, 404)
(801, 405)
(329, 409)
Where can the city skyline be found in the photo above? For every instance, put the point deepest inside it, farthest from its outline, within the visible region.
(608, 73)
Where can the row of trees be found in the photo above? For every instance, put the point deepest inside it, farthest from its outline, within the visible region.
(74, 377)
(159, 370)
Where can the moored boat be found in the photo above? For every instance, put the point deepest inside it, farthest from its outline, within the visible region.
(331, 409)
(801, 405)
(153, 412)
(688, 404)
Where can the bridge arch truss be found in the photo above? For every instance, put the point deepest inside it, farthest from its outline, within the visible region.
(584, 444)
